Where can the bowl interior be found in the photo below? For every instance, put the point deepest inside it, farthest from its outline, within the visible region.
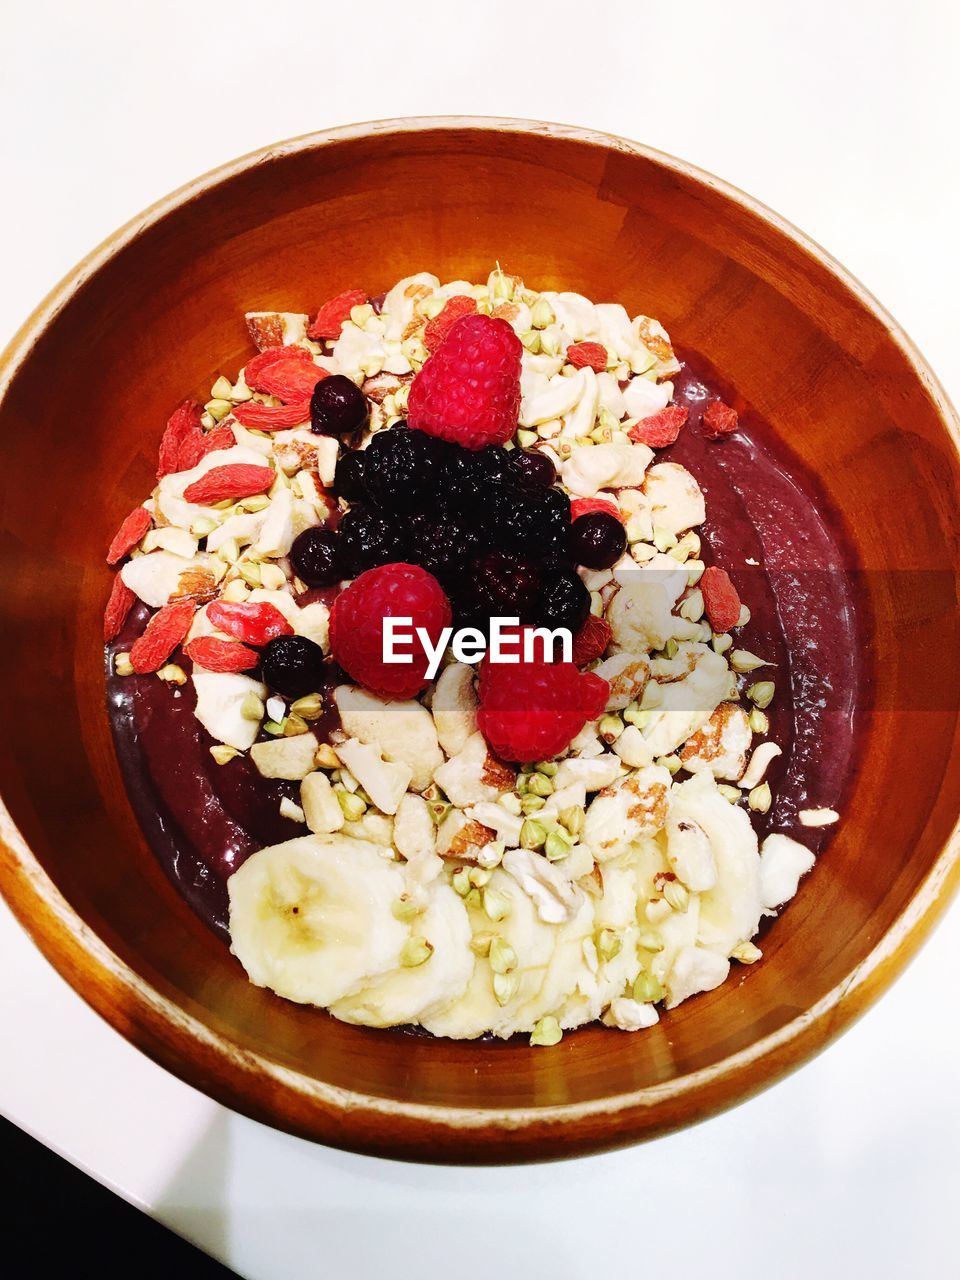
(155, 320)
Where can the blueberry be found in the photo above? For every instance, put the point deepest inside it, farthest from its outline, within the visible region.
(348, 478)
(367, 539)
(597, 540)
(532, 467)
(402, 469)
(565, 601)
(315, 558)
(508, 585)
(337, 407)
(293, 666)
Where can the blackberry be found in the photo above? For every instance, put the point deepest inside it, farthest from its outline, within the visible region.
(508, 585)
(564, 601)
(367, 538)
(348, 478)
(402, 469)
(443, 544)
(533, 520)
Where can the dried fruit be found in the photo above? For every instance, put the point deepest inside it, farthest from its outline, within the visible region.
(118, 606)
(220, 655)
(438, 328)
(583, 355)
(129, 534)
(182, 427)
(583, 506)
(286, 372)
(221, 437)
(591, 641)
(329, 320)
(163, 633)
(236, 480)
(720, 599)
(272, 417)
(254, 623)
(719, 420)
(660, 429)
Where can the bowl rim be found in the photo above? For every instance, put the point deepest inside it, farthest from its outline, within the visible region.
(234, 1075)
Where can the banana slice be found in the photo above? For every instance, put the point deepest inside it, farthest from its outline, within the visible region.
(403, 732)
(566, 971)
(407, 994)
(478, 1010)
(614, 916)
(730, 911)
(312, 918)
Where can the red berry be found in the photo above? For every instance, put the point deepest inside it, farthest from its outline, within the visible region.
(163, 633)
(180, 434)
(583, 506)
(591, 641)
(221, 437)
(533, 710)
(438, 328)
(257, 623)
(719, 420)
(329, 320)
(235, 480)
(118, 606)
(286, 372)
(469, 390)
(356, 627)
(214, 654)
(272, 417)
(720, 599)
(660, 429)
(584, 355)
(129, 534)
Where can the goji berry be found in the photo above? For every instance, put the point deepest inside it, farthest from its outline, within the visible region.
(660, 429)
(163, 633)
(129, 534)
(221, 437)
(438, 328)
(256, 623)
(287, 372)
(235, 480)
(720, 599)
(118, 606)
(719, 420)
(270, 417)
(182, 425)
(328, 321)
(591, 640)
(583, 506)
(587, 354)
(220, 655)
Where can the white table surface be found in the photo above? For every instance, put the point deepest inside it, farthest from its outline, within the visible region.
(840, 115)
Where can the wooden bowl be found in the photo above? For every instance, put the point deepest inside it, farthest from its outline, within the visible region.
(146, 319)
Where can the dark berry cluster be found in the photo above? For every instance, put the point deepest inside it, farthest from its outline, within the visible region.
(490, 524)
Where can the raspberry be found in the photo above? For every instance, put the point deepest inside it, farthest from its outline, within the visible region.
(237, 480)
(220, 655)
(183, 426)
(286, 372)
(583, 506)
(591, 641)
(720, 599)
(129, 534)
(329, 320)
(255, 623)
(660, 429)
(356, 627)
(438, 328)
(584, 355)
(469, 390)
(719, 420)
(163, 633)
(272, 417)
(118, 606)
(533, 710)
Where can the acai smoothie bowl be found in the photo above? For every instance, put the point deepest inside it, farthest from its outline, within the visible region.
(512, 742)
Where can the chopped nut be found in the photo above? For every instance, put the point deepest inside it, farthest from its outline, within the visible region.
(222, 753)
(172, 674)
(122, 664)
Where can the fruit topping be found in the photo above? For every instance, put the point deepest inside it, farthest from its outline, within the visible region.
(357, 630)
(597, 539)
(591, 641)
(454, 309)
(182, 425)
(220, 655)
(468, 391)
(402, 470)
(565, 601)
(165, 630)
(236, 480)
(271, 417)
(348, 482)
(338, 407)
(719, 420)
(532, 467)
(720, 599)
(584, 355)
(508, 585)
(286, 372)
(661, 429)
(255, 623)
(331, 317)
(315, 557)
(368, 539)
(129, 534)
(118, 606)
(293, 666)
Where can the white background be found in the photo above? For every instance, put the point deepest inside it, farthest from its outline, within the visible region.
(840, 115)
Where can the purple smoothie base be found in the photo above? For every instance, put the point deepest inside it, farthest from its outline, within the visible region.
(202, 820)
